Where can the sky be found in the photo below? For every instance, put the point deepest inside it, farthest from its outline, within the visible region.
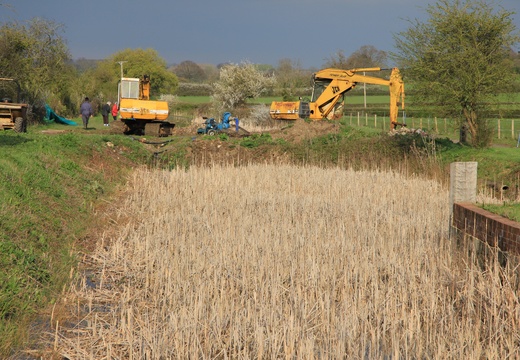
(308, 32)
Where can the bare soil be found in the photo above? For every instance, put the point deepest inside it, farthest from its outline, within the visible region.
(299, 130)
(204, 151)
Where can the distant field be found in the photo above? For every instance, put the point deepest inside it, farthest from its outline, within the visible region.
(287, 262)
(194, 99)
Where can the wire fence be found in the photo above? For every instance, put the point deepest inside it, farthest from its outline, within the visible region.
(502, 128)
(182, 117)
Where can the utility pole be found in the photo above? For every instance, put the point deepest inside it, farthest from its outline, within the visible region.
(119, 84)
(121, 64)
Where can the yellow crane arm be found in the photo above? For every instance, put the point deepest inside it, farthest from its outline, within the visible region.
(329, 87)
(342, 81)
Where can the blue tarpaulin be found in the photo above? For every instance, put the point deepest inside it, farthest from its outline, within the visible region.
(51, 116)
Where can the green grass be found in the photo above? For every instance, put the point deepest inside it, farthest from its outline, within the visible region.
(507, 210)
(496, 164)
(266, 100)
(194, 99)
(48, 186)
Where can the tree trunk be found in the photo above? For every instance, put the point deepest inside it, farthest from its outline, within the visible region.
(472, 125)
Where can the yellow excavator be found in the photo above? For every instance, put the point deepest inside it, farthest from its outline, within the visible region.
(141, 115)
(329, 88)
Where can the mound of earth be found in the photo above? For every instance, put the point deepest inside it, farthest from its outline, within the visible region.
(186, 130)
(299, 130)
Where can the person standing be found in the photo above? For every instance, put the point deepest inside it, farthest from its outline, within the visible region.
(105, 111)
(86, 111)
(114, 111)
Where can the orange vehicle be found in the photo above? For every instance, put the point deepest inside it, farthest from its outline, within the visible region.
(329, 88)
(141, 115)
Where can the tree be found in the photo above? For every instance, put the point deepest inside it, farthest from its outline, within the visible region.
(237, 83)
(190, 71)
(365, 56)
(36, 55)
(211, 71)
(459, 61)
(515, 58)
(337, 61)
(83, 64)
(101, 83)
(291, 78)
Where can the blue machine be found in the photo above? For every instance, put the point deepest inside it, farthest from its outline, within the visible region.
(212, 127)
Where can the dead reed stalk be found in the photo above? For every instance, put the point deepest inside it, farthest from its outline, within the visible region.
(268, 261)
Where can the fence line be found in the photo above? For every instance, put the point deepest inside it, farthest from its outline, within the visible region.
(177, 115)
(439, 126)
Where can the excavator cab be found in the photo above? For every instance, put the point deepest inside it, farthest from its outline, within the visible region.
(318, 88)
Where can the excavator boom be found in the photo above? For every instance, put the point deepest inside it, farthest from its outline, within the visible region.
(329, 87)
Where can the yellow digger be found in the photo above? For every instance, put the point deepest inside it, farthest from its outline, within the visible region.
(329, 88)
(141, 115)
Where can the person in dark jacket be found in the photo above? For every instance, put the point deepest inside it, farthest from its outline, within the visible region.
(105, 111)
(86, 111)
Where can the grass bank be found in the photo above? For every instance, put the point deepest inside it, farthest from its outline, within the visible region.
(50, 185)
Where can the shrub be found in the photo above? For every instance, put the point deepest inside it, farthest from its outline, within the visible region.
(191, 89)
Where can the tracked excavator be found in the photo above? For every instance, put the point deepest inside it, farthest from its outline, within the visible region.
(329, 88)
(139, 114)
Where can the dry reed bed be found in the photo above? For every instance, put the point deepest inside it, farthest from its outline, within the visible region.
(288, 262)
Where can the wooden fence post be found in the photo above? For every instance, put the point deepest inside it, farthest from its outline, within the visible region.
(358, 118)
(499, 128)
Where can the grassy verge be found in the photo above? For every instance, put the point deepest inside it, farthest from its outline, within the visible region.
(50, 183)
(496, 164)
(507, 210)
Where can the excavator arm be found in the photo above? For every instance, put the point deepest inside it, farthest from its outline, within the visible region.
(330, 86)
